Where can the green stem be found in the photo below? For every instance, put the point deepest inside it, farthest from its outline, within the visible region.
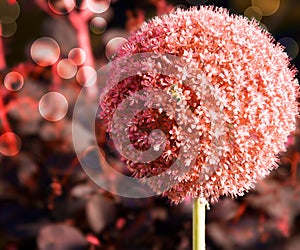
(198, 225)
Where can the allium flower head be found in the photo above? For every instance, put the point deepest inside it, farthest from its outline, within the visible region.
(256, 91)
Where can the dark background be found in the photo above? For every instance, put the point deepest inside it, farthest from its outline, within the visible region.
(48, 202)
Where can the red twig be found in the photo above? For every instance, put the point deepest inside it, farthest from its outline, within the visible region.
(2, 52)
(79, 21)
(162, 7)
(12, 143)
(294, 167)
(56, 80)
(241, 210)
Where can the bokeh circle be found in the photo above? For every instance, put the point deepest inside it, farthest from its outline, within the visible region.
(113, 45)
(98, 25)
(77, 56)
(13, 81)
(10, 144)
(9, 12)
(53, 106)
(65, 69)
(61, 7)
(86, 76)
(98, 6)
(45, 51)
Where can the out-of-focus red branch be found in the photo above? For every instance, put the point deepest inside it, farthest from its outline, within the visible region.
(240, 212)
(56, 80)
(12, 143)
(162, 7)
(81, 27)
(294, 167)
(79, 21)
(4, 122)
(134, 21)
(2, 51)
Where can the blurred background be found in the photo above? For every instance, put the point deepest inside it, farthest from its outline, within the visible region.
(47, 50)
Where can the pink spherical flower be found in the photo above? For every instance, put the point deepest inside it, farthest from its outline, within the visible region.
(254, 88)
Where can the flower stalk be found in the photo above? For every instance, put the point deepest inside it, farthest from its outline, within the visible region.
(198, 225)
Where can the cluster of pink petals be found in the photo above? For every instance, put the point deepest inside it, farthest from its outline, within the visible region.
(255, 85)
